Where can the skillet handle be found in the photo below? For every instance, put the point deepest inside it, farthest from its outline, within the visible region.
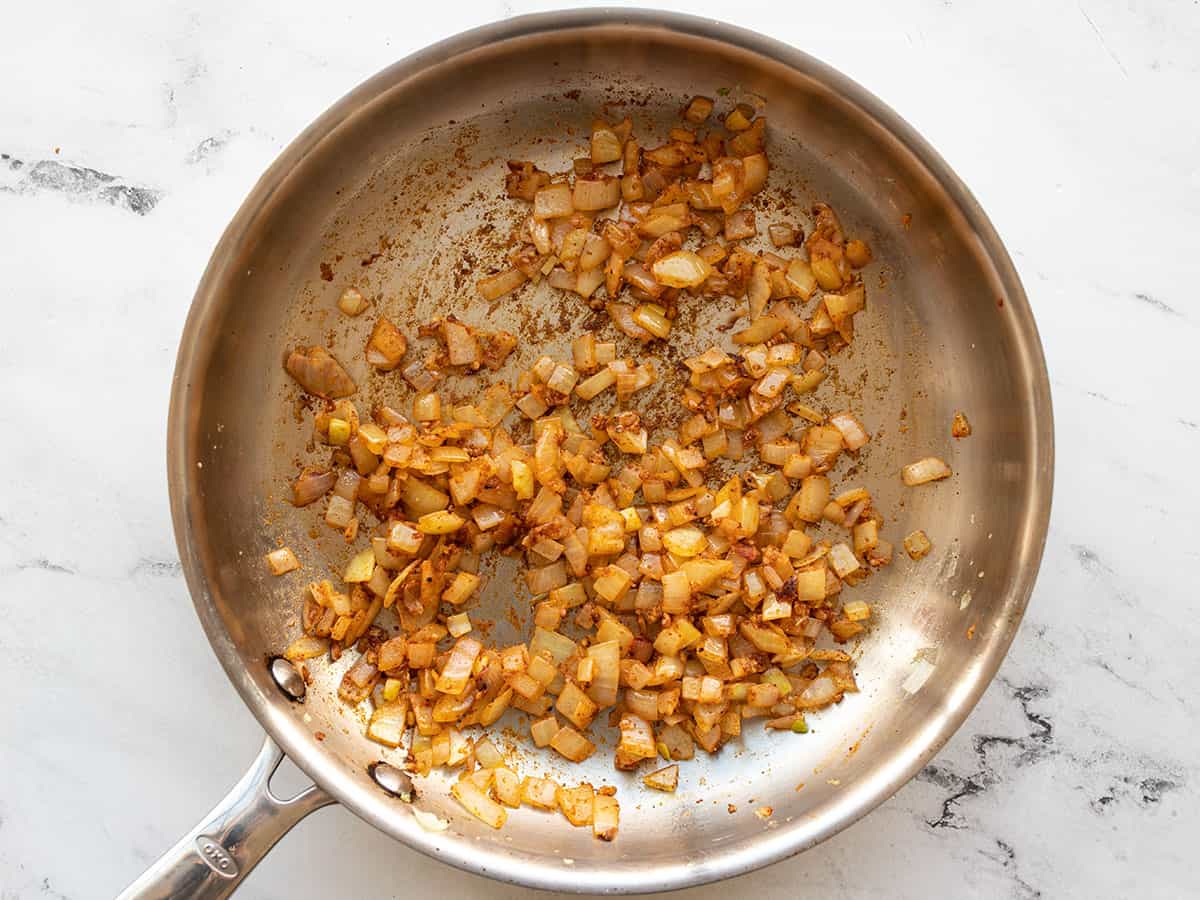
(213, 858)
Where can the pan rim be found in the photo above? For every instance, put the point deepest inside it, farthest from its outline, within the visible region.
(462, 853)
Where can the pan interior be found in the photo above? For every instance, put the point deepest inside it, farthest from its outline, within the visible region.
(398, 191)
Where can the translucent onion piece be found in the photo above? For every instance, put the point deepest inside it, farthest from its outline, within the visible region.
(924, 470)
(681, 269)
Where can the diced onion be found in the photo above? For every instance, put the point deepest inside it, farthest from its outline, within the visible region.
(495, 286)
(282, 561)
(925, 470)
(681, 269)
(595, 193)
(553, 202)
(917, 545)
(698, 602)
(352, 302)
(479, 804)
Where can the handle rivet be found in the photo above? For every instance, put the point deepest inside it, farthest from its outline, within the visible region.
(395, 781)
(288, 678)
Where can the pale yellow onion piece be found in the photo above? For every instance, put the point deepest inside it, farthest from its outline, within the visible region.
(605, 146)
(922, 669)
(866, 536)
(507, 785)
(596, 250)
(576, 804)
(559, 646)
(704, 573)
(826, 272)
(917, 544)
(650, 316)
(553, 202)
(596, 192)
(458, 624)
(809, 381)
(430, 821)
(522, 480)
(925, 470)
(686, 541)
(449, 454)
(760, 289)
(664, 219)
(681, 269)
(560, 278)
(562, 379)
(854, 435)
(305, 647)
(388, 722)
(546, 578)
(856, 610)
(404, 538)
(754, 172)
(797, 544)
(461, 345)
(843, 560)
(665, 779)
(778, 452)
(461, 589)
(629, 441)
(495, 286)
(352, 302)
(282, 561)
(603, 688)
(478, 803)
(820, 693)
(577, 707)
(427, 406)
(840, 306)
(457, 671)
(760, 330)
(781, 234)
(440, 522)
(540, 793)
(698, 109)
(543, 730)
(605, 817)
(676, 592)
(810, 585)
(637, 738)
(572, 745)
(361, 567)
(739, 117)
(710, 359)
(801, 279)
(596, 384)
(587, 282)
(773, 383)
(812, 497)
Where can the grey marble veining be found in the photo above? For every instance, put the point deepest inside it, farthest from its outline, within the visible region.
(127, 140)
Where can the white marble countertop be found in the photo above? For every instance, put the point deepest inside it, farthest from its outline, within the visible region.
(1075, 125)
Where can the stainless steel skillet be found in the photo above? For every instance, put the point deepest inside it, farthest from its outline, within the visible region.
(387, 190)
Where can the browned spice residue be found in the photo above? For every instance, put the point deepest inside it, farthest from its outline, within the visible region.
(960, 427)
(326, 272)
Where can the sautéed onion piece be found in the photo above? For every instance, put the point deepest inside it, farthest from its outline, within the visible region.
(667, 599)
